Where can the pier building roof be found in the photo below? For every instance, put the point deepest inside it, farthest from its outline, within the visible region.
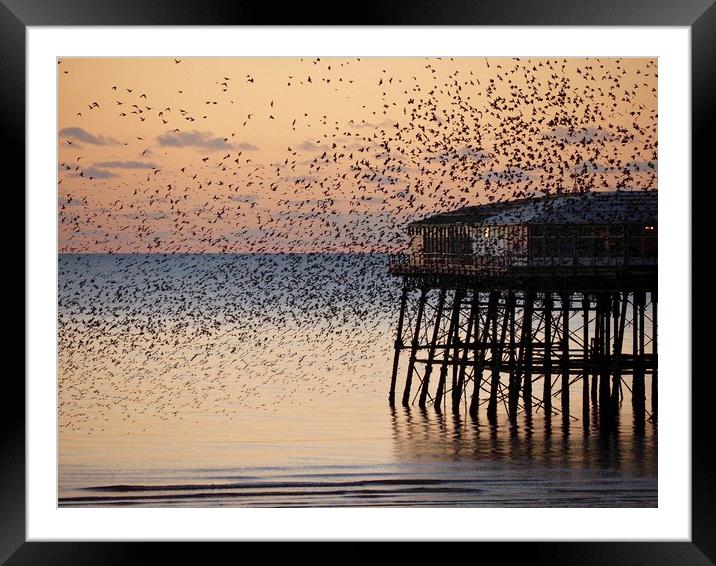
(612, 207)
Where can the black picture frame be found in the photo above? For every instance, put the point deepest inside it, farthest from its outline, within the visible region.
(699, 15)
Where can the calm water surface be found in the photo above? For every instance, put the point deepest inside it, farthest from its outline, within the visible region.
(211, 380)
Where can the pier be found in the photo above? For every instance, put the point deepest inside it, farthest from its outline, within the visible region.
(519, 304)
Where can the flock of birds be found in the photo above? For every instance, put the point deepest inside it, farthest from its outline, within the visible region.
(173, 335)
(151, 338)
(418, 145)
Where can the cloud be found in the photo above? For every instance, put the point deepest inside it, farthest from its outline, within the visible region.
(97, 173)
(340, 143)
(300, 178)
(126, 165)
(243, 198)
(314, 201)
(84, 136)
(141, 215)
(246, 146)
(195, 138)
(308, 145)
(585, 135)
(641, 165)
(64, 201)
(475, 154)
(363, 125)
(385, 123)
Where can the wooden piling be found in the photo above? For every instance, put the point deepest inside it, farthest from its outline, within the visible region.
(458, 391)
(585, 362)
(655, 356)
(595, 355)
(528, 348)
(433, 346)
(454, 320)
(479, 355)
(641, 307)
(638, 389)
(604, 387)
(398, 344)
(456, 351)
(513, 391)
(414, 347)
(496, 359)
(565, 300)
(620, 311)
(494, 377)
(480, 365)
(547, 358)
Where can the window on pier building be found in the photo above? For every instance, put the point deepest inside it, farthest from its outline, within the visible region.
(460, 242)
(536, 241)
(600, 241)
(416, 243)
(491, 241)
(650, 241)
(616, 240)
(517, 240)
(642, 240)
(565, 241)
(553, 241)
(431, 239)
(447, 240)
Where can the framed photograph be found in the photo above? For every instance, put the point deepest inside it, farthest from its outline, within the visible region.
(395, 279)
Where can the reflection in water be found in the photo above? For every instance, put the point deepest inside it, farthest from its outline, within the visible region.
(424, 435)
(262, 381)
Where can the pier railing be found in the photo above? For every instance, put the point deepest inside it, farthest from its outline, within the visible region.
(466, 264)
(407, 264)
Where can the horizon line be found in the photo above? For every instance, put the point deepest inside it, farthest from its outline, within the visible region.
(222, 253)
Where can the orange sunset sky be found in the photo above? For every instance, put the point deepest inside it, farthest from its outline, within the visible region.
(332, 154)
